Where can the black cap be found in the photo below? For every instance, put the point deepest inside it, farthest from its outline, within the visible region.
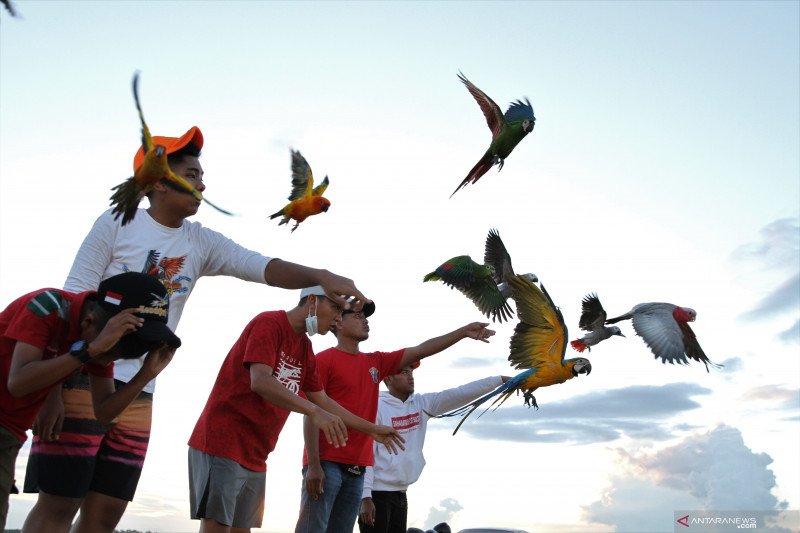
(442, 528)
(145, 292)
(368, 308)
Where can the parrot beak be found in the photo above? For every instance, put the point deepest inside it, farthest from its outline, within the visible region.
(620, 334)
(325, 208)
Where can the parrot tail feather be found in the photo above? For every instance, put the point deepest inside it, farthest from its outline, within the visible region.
(433, 276)
(126, 200)
(480, 168)
(218, 208)
(578, 345)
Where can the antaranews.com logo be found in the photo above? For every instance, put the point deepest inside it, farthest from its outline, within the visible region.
(729, 521)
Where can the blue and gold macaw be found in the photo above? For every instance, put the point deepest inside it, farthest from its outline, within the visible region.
(538, 345)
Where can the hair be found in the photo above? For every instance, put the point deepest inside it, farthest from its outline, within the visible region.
(190, 150)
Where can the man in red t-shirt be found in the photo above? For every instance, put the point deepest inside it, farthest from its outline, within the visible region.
(47, 334)
(259, 382)
(333, 480)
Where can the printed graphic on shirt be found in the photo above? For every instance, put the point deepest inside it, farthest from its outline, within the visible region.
(406, 422)
(167, 270)
(374, 373)
(49, 302)
(288, 373)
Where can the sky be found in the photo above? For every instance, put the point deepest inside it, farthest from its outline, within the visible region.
(664, 167)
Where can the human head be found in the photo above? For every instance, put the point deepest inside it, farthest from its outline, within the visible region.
(401, 383)
(321, 311)
(354, 324)
(441, 527)
(132, 290)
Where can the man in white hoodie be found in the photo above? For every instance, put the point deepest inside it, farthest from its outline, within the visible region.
(384, 506)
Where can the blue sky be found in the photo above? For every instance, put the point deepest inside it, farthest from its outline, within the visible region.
(664, 166)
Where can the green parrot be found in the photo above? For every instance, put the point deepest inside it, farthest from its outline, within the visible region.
(507, 130)
(484, 284)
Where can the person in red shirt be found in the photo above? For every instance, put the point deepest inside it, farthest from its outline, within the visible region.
(259, 383)
(333, 481)
(47, 334)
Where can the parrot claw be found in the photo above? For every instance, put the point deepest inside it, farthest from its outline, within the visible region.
(530, 400)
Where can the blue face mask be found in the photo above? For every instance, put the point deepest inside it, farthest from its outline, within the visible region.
(312, 324)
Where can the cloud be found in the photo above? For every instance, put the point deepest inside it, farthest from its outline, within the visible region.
(732, 364)
(714, 471)
(444, 512)
(785, 298)
(473, 362)
(639, 412)
(791, 335)
(780, 397)
(778, 247)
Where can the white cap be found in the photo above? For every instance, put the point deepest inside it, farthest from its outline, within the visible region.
(316, 290)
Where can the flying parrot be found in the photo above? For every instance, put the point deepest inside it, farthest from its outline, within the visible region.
(483, 284)
(665, 329)
(9, 7)
(538, 345)
(507, 130)
(155, 167)
(305, 199)
(593, 318)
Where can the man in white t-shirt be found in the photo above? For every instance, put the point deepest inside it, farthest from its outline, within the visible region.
(384, 507)
(77, 463)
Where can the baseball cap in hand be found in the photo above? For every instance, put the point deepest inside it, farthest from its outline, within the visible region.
(145, 292)
(317, 290)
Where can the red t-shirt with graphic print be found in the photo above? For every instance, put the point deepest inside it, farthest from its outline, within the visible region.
(353, 380)
(237, 423)
(49, 319)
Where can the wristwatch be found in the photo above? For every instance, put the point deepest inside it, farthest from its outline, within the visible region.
(80, 351)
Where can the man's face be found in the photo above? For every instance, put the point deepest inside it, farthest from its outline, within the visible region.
(353, 326)
(328, 312)
(189, 168)
(403, 381)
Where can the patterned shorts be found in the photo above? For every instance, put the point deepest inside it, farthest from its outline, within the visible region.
(104, 458)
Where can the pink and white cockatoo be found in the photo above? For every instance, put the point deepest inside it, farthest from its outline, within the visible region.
(593, 318)
(665, 329)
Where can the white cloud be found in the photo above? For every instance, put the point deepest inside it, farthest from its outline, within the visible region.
(445, 511)
(712, 471)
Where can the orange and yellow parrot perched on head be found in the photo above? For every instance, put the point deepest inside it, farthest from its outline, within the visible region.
(305, 199)
(153, 169)
(538, 345)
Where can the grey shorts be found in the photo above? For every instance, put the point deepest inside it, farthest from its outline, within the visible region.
(226, 491)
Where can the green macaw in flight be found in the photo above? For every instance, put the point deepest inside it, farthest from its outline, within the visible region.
(507, 130)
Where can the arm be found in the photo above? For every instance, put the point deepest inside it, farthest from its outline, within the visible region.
(263, 383)
(109, 403)
(476, 330)
(29, 373)
(441, 402)
(386, 435)
(94, 256)
(366, 515)
(315, 475)
(288, 275)
(48, 423)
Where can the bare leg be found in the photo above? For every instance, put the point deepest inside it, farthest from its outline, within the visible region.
(51, 514)
(99, 513)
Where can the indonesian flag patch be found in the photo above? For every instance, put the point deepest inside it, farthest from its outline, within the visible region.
(113, 298)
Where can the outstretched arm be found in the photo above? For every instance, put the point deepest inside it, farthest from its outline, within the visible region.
(286, 275)
(476, 330)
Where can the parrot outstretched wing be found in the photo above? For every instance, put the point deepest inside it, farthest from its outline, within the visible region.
(593, 316)
(494, 116)
(319, 190)
(540, 337)
(302, 177)
(497, 257)
(476, 283)
(9, 7)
